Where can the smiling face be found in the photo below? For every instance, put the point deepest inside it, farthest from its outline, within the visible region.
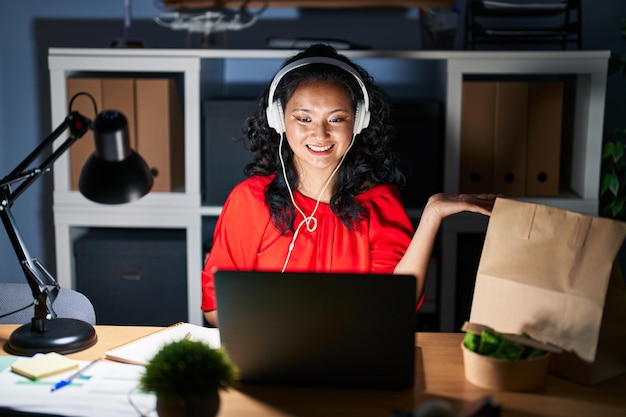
(319, 118)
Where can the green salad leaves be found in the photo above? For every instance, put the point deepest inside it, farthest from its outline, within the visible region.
(495, 345)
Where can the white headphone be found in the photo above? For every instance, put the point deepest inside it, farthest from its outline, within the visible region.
(274, 112)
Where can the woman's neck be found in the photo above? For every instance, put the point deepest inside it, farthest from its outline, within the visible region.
(311, 184)
(313, 191)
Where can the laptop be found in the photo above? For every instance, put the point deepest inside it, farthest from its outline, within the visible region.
(354, 331)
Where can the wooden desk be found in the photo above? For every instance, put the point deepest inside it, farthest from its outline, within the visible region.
(439, 374)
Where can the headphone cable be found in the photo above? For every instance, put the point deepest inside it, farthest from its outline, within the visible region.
(310, 219)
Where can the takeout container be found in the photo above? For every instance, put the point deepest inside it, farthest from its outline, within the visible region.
(505, 375)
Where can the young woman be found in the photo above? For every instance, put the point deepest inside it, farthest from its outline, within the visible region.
(322, 193)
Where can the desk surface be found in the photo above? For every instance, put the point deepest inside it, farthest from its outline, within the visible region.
(439, 374)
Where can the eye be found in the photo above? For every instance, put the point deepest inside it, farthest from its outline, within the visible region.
(301, 116)
(339, 118)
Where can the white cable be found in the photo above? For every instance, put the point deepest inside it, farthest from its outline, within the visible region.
(311, 218)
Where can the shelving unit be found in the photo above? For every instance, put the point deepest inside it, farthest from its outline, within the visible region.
(310, 3)
(204, 74)
(511, 22)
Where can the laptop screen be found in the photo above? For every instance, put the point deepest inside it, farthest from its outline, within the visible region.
(313, 329)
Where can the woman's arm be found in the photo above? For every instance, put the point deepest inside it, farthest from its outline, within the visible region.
(417, 257)
(211, 317)
(236, 240)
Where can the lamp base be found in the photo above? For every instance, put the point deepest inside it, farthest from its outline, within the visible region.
(61, 335)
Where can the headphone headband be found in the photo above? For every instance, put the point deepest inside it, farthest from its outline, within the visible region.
(275, 116)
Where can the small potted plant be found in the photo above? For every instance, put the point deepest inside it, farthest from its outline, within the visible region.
(613, 184)
(613, 180)
(186, 377)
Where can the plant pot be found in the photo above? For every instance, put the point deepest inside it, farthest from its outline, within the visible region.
(197, 406)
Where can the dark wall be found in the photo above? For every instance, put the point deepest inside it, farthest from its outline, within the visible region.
(30, 27)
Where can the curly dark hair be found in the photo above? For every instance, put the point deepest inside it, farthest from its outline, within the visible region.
(370, 161)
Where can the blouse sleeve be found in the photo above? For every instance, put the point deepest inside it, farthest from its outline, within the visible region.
(237, 236)
(390, 230)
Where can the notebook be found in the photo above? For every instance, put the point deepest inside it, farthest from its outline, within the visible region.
(351, 331)
(140, 351)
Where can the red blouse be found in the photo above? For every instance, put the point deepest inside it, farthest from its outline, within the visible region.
(246, 239)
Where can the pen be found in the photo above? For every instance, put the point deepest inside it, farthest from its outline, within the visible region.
(69, 379)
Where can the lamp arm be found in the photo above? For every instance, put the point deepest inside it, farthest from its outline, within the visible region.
(42, 284)
(78, 125)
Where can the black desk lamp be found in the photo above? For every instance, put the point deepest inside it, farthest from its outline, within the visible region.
(114, 174)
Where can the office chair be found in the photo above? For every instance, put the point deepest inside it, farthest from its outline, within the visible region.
(16, 304)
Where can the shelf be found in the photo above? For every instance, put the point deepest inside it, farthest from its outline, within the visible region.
(204, 73)
(503, 8)
(548, 22)
(309, 3)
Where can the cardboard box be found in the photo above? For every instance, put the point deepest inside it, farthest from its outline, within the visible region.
(119, 94)
(477, 133)
(510, 133)
(545, 115)
(511, 137)
(160, 132)
(126, 273)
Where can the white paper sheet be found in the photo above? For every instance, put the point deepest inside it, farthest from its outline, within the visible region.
(106, 389)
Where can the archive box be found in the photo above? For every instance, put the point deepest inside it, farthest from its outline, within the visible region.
(134, 276)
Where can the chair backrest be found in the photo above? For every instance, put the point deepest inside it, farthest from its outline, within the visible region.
(16, 304)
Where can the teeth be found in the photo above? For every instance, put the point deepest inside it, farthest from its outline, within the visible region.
(319, 148)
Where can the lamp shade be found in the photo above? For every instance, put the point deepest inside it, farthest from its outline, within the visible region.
(114, 173)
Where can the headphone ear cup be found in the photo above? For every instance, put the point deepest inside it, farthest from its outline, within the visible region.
(280, 115)
(275, 117)
(361, 118)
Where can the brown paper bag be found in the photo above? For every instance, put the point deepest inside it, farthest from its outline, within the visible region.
(549, 272)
